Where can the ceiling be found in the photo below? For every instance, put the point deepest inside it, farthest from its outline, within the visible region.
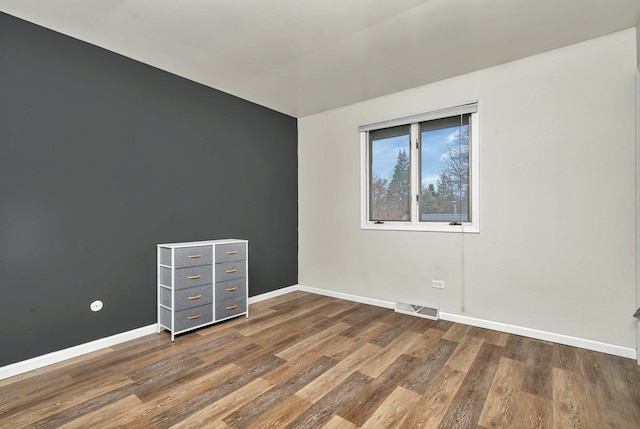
(301, 57)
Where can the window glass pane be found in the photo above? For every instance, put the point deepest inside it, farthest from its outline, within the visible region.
(390, 167)
(444, 170)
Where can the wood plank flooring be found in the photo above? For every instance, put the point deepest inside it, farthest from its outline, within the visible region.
(309, 361)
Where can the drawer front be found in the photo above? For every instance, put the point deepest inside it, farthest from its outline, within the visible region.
(193, 317)
(193, 256)
(230, 307)
(230, 270)
(193, 276)
(193, 297)
(231, 252)
(231, 289)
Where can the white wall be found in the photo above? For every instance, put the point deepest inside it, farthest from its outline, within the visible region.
(557, 246)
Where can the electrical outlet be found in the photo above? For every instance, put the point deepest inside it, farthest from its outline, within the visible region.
(96, 305)
(439, 284)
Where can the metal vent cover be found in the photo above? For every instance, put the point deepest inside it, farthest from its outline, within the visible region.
(419, 310)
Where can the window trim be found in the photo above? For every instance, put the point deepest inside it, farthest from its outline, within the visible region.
(415, 225)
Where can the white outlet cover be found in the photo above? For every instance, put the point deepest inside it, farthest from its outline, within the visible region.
(96, 305)
(439, 284)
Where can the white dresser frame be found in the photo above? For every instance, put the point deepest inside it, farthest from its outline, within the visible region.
(213, 244)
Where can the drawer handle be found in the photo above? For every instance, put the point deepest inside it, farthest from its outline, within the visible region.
(232, 271)
(195, 297)
(194, 256)
(231, 307)
(232, 252)
(231, 289)
(197, 316)
(194, 277)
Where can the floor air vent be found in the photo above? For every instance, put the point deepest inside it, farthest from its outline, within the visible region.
(417, 310)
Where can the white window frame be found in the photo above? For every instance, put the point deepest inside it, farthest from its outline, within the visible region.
(414, 224)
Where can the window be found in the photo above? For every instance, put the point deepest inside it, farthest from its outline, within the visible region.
(421, 172)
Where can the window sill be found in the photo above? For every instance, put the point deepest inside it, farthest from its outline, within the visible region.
(439, 227)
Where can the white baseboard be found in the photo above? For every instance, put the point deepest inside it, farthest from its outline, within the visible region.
(348, 297)
(82, 349)
(79, 350)
(273, 294)
(568, 340)
(75, 351)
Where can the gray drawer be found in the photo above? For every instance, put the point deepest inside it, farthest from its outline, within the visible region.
(230, 307)
(165, 317)
(193, 317)
(165, 276)
(165, 256)
(193, 256)
(231, 252)
(193, 276)
(230, 270)
(189, 297)
(231, 289)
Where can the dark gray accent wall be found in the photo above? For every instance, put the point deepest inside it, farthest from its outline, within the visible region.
(101, 158)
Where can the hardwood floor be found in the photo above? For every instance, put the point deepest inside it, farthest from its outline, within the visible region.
(310, 361)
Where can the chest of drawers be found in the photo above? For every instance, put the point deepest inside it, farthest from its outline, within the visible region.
(200, 283)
